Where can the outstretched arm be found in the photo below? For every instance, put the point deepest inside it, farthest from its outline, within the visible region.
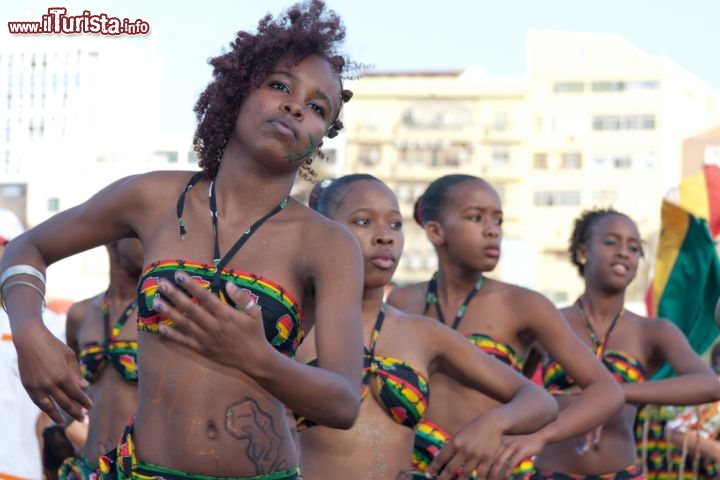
(49, 368)
(694, 381)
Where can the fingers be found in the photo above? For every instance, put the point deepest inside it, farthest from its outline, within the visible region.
(583, 444)
(451, 463)
(175, 335)
(597, 433)
(501, 467)
(45, 403)
(63, 404)
(442, 457)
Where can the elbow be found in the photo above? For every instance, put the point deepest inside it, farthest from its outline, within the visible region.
(552, 409)
(345, 415)
(714, 390)
(616, 397)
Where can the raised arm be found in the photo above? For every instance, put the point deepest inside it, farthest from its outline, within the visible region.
(694, 381)
(49, 368)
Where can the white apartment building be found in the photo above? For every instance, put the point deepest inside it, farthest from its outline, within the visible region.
(77, 112)
(594, 122)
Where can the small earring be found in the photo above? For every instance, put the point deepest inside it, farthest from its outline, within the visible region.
(583, 260)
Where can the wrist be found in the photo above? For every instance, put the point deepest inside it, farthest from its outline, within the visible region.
(260, 363)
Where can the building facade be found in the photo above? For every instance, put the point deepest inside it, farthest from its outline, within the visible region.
(595, 122)
(77, 113)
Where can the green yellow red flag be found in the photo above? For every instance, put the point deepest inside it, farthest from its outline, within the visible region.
(686, 283)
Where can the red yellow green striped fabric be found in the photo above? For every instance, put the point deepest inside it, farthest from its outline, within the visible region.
(686, 282)
(700, 195)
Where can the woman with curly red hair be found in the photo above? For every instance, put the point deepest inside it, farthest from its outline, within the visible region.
(227, 254)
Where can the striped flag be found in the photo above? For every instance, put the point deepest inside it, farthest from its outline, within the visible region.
(700, 195)
(686, 283)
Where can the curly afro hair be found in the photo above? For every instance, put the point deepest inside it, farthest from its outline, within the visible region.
(304, 29)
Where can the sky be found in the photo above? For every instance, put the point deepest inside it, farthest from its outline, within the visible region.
(402, 34)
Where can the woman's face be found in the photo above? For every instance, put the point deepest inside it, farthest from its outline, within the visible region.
(370, 210)
(287, 116)
(471, 221)
(613, 252)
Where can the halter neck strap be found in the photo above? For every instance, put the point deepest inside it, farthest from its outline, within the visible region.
(221, 262)
(431, 297)
(111, 334)
(598, 345)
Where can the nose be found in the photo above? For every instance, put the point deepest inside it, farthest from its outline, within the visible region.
(492, 230)
(384, 237)
(293, 109)
(623, 250)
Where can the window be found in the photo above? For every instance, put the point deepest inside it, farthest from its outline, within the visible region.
(192, 157)
(572, 160)
(166, 156)
(53, 204)
(540, 161)
(642, 85)
(557, 198)
(623, 122)
(568, 87)
(608, 86)
(500, 156)
(622, 161)
(369, 155)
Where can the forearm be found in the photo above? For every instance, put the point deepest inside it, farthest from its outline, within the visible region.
(324, 396)
(696, 443)
(22, 287)
(592, 407)
(529, 410)
(689, 389)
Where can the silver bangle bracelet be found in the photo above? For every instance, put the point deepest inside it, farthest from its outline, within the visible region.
(5, 286)
(22, 269)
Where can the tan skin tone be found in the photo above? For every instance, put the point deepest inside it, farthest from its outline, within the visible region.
(612, 254)
(186, 393)
(114, 398)
(697, 444)
(377, 447)
(467, 241)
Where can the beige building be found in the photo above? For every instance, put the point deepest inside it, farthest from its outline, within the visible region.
(594, 122)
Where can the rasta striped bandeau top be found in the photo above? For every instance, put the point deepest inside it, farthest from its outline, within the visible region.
(282, 316)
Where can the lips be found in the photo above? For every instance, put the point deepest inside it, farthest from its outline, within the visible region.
(284, 126)
(383, 262)
(619, 268)
(492, 251)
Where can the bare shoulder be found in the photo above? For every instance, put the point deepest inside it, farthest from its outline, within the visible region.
(154, 185)
(77, 312)
(133, 198)
(410, 297)
(82, 307)
(326, 236)
(520, 297)
(418, 329)
(656, 328)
